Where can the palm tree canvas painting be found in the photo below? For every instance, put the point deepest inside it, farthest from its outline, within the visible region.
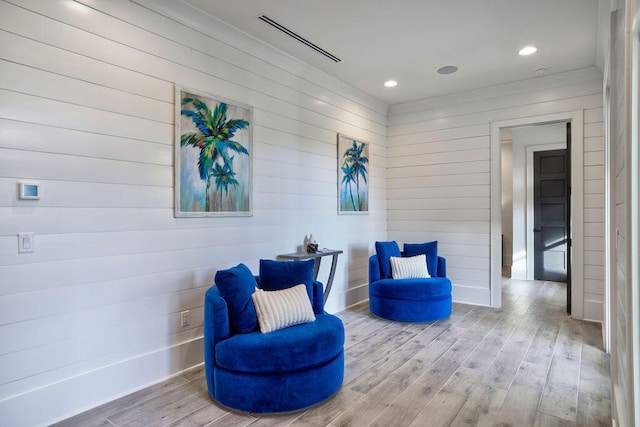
(213, 156)
(353, 175)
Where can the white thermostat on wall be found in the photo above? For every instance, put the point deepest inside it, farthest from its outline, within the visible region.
(28, 190)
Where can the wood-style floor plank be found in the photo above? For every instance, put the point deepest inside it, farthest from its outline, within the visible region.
(97, 415)
(560, 396)
(525, 364)
(482, 407)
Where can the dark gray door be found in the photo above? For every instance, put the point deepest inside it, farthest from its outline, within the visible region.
(550, 215)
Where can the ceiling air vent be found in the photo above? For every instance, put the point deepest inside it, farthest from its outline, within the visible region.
(298, 37)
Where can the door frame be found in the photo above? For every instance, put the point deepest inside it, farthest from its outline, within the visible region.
(577, 209)
(633, 247)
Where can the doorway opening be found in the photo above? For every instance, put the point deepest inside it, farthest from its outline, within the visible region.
(535, 202)
(522, 265)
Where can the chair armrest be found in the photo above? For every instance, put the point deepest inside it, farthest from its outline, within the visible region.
(374, 269)
(318, 297)
(216, 329)
(216, 318)
(442, 267)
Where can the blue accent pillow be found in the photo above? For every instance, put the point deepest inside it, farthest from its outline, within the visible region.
(277, 275)
(236, 285)
(384, 251)
(430, 249)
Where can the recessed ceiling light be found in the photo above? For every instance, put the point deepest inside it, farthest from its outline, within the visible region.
(527, 50)
(390, 83)
(447, 69)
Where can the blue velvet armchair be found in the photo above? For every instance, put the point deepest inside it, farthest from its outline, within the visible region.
(284, 370)
(409, 300)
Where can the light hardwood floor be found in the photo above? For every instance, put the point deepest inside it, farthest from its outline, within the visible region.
(525, 364)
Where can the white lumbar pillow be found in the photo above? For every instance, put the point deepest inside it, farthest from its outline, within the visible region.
(286, 307)
(414, 267)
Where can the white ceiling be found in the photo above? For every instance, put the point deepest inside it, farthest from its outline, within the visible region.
(408, 40)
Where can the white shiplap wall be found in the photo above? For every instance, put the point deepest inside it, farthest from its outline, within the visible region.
(86, 109)
(622, 140)
(594, 227)
(439, 173)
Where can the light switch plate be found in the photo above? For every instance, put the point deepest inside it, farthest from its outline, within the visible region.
(26, 243)
(185, 318)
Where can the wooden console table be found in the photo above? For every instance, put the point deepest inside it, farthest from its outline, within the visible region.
(317, 257)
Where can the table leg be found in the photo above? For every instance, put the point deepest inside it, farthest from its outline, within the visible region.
(327, 289)
(316, 267)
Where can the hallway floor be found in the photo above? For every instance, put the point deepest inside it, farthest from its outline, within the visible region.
(525, 364)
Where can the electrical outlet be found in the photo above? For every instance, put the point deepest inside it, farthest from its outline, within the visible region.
(185, 318)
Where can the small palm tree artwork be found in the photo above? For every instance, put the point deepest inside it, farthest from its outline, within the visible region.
(206, 149)
(354, 195)
(224, 177)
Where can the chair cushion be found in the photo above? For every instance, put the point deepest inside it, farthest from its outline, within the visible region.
(277, 275)
(386, 250)
(296, 347)
(236, 285)
(411, 289)
(430, 249)
(414, 267)
(280, 309)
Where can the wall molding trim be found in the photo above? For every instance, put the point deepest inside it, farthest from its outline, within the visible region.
(41, 406)
(471, 295)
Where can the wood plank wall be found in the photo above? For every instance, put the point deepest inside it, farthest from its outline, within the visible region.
(625, 404)
(87, 109)
(439, 157)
